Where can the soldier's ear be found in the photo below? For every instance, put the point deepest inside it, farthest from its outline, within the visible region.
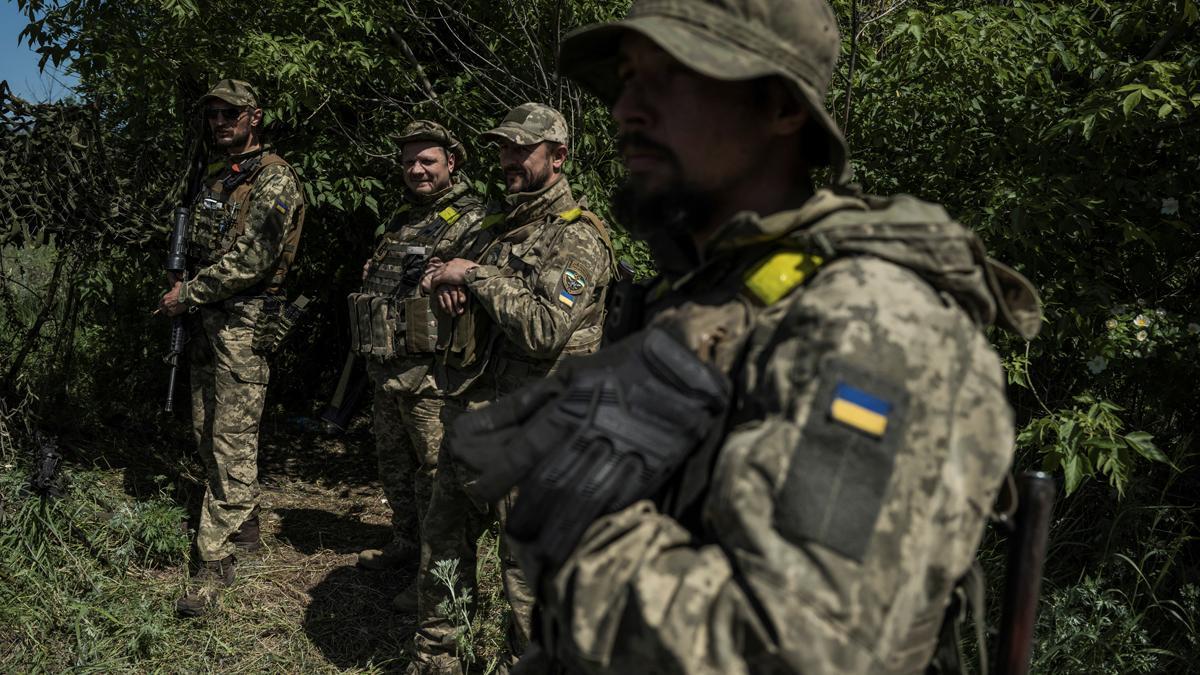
(787, 114)
(558, 155)
(256, 118)
(451, 159)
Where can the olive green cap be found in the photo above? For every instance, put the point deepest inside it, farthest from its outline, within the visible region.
(732, 40)
(428, 130)
(234, 92)
(531, 123)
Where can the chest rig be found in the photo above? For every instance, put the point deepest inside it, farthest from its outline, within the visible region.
(221, 211)
(390, 317)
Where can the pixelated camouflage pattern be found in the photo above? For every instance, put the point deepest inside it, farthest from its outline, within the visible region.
(421, 224)
(817, 548)
(526, 264)
(246, 245)
(408, 435)
(409, 391)
(234, 92)
(523, 269)
(428, 130)
(451, 529)
(727, 40)
(229, 386)
(531, 123)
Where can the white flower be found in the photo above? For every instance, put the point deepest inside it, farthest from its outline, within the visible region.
(1097, 365)
(1111, 324)
(1141, 321)
(1142, 335)
(1170, 206)
(1194, 328)
(1160, 313)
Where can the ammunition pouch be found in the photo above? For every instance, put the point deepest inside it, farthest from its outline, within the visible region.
(385, 328)
(276, 322)
(420, 325)
(464, 340)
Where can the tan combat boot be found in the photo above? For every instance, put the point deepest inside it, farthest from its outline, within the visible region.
(397, 553)
(205, 586)
(248, 537)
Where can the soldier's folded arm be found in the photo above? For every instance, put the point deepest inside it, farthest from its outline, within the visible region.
(831, 543)
(541, 316)
(256, 252)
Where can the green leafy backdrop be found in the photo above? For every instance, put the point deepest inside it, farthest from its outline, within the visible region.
(1065, 133)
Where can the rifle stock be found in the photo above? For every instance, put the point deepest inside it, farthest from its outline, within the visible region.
(1023, 584)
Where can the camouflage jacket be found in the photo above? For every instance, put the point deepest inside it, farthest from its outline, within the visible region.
(244, 237)
(541, 279)
(443, 226)
(869, 433)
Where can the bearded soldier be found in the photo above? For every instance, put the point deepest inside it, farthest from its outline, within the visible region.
(393, 325)
(789, 466)
(531, 293)
(245, 228)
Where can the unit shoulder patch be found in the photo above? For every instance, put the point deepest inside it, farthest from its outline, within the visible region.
(572, 283)
(842, 466)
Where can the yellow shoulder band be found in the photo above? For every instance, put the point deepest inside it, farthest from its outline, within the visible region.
(776, 276)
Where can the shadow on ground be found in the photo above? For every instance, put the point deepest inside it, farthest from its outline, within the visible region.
(309, 531)
(351, 620)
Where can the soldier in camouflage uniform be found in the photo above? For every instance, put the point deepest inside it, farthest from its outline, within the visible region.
(531, 293)
(245, 229)
(790, 466)
(394, 327)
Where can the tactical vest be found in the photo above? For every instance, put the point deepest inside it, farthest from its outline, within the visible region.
(220, 213)
(391, 317)
(472, 335)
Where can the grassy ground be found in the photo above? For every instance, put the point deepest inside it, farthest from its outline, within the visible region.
(88, 582)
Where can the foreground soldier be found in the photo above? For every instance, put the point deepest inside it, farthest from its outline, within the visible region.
(245, 228)
(393, 325)
(790, 466)
(533, 294)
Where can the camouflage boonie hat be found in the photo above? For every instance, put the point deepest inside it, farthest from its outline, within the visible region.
(428, 130)
(234, 92)
(531, 123)
(730, 40)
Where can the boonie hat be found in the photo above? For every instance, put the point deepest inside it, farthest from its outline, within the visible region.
(730, 40)
(531, 123)
(428, 130)
(234, 92)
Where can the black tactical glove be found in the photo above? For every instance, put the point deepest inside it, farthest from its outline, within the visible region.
(591, 440)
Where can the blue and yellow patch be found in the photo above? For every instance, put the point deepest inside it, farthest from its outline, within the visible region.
(566, 298)
(859, 410)
(281, 207)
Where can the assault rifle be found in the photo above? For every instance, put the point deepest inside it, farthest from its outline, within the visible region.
(1023, 582)
(176, 264)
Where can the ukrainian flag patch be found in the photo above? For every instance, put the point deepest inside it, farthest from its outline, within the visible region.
(566, 298)
(859, 410)
(281, 207)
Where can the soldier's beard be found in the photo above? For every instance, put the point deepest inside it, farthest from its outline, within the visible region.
(666, 219)
(236, 140)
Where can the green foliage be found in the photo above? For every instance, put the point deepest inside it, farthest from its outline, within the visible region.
(1086, 441)
(1064, 133)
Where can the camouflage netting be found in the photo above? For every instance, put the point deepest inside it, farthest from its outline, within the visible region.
(59, 181)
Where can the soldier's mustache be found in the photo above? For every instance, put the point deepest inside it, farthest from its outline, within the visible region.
(636, 140)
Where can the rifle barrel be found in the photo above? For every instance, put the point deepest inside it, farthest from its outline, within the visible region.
(1026, 555)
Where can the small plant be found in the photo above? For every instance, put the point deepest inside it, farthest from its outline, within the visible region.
(457, 609)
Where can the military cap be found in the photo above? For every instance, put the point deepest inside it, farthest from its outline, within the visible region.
(531, 123)
(730, 40)
(428, 130)
(234, 92)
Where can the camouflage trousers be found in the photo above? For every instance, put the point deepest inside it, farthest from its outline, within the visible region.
(229, 386)
(408, 433)
(452, 527)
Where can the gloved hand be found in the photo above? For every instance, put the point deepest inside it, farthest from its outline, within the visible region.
(606, 432)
